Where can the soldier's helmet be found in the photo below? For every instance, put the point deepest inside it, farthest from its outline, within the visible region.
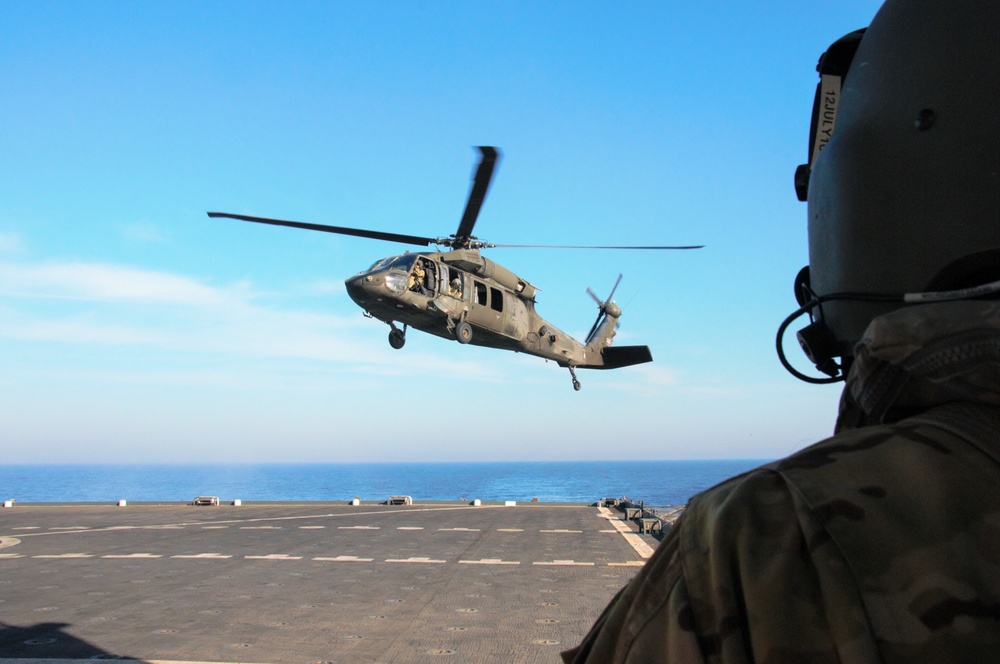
(903, 180)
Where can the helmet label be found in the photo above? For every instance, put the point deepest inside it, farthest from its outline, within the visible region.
(825, 112)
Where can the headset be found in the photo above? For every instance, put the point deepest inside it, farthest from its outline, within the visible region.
(818, 342)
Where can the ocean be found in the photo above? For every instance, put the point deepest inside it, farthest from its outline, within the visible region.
(657, 483)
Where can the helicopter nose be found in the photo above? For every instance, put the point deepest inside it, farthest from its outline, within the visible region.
(356, 289)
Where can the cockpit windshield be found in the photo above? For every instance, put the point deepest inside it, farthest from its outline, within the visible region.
(404, 263)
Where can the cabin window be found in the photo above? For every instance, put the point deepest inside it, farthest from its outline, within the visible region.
(496, 299)
(480, 293)
(456, 285)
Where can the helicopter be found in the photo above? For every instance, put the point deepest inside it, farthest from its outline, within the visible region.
(459, 294)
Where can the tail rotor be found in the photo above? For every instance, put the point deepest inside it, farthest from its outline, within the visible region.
(604, 308)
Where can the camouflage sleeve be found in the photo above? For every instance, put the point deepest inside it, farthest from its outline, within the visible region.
(641, 624)
(747, 575)
(766, 582)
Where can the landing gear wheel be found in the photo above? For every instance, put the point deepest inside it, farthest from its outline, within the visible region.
(576, 383)
(397, 338)
(463, 332)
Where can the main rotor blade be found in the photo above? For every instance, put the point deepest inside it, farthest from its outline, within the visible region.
(480, 185)
(567, 246)
(356, 232)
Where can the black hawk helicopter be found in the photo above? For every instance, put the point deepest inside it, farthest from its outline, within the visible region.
(459, 294)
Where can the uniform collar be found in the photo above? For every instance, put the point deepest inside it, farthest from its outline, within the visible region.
(923, 356)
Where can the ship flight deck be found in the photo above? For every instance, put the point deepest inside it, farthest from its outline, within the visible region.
(308, 582)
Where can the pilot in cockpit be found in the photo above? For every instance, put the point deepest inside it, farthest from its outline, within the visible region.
(416, 282)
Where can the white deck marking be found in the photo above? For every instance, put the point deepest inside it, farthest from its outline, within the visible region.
(510, 530)
(358, 527)
(461, 530)
(214, 527)
(311, 527)
(353, 514)
(260, 527)
(560, 530)
(643, 549)
(415, 559)
(410, 528)
(335, 559)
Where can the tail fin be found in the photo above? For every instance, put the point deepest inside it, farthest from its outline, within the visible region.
(603, 332)
(613, 357)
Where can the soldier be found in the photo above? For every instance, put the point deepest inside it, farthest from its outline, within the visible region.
(881, 543)
(417, 277)
(455, 289)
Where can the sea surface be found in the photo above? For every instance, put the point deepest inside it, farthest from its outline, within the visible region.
(657, 483)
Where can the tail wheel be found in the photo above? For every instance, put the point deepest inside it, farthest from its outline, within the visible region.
(576, 383)
(463, 332)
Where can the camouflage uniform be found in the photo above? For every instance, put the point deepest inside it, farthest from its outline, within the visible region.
(881, 543)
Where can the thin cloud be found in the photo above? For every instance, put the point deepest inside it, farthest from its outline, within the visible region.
(104, 282)
(10, 243)
(76, 331)
(327, 287)
(144, 232)
(186, 318)
(186, 321)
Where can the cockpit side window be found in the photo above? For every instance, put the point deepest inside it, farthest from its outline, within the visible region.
(418, 277)
(430, 278)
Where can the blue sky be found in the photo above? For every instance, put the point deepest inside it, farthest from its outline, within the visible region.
(135, 329)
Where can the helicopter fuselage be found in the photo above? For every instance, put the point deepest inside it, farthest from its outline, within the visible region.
(460, 295)
(436, 292)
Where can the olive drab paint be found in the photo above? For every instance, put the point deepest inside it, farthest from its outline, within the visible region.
(461, 295)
